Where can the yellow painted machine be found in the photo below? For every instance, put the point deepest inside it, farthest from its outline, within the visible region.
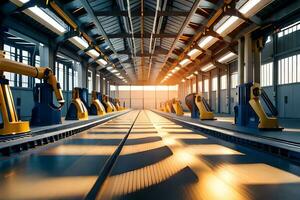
(168, 107)
(204, 109)
(10, 124)
(118, 105)
(77, 110)
(177, 107)
(96, 107)
(107, 104)
(199, 107)
(250, 113)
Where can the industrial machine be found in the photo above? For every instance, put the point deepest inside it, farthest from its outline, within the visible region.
(176, 104)
(77, 109)
(44, 111)
(169, 106)
(113, 103)
(199, 107)
(107, 104)
(96, 107)
(250, 113)
(118, 105)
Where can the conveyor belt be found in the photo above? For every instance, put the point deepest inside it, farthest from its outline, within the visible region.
(146, 156)
(66, 169)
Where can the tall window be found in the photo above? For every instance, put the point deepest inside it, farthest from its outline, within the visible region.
(75, 78)
(25, 60)
(266, 74)
(234, 80)
(289, 29)
(223, 82)
(214, 85)
(61, 75)
(98, 82)
(90, 80)
(70, 77)
(200, 86)
(289, 70)
(10, 54)
(206, 82)
(37, 64)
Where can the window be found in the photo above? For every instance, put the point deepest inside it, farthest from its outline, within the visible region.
(61, 75)
(70, 76)
(37, 64)
(194, 87)
(268, 39)
(25, 60)
(9, 54)
(266, 74)
(98, 82)
(214, 85)
(289, 29)
(234, 80)
(90, 81)
(112, 88)
(75, 78)
(200, 86)
(223, 82)
(289, 70)
(206, 82)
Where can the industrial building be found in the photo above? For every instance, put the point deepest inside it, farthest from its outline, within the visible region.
(150, 99)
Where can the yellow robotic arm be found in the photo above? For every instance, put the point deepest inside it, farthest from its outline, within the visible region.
(10, 124)
(45, 73)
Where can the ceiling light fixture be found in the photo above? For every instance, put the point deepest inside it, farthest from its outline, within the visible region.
(227, 57)
(93, 53)
(208, 67)
(102, 61)
(80, 42)
(248, 6)
(42, 17)
(227, 24)
(194, 53)
(185, 62)
(207, 42)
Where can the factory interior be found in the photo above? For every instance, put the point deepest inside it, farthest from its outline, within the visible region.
(149, 99)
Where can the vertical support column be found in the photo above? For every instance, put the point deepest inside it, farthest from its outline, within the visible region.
(228, 91)
(52, 55)
(209, 89)
(241, 62)
(257, 60)
(197, 81)
(101, 84)
(108, 88)
(94, 77)
(219, 92)
(275, 69)
(202, 84)
(82, 74)
(248, 59)
(191, 85)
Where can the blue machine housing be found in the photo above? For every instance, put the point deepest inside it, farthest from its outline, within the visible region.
(44, 111)
(84, 95)
(244, 114)
(93, 109)
(190, 102)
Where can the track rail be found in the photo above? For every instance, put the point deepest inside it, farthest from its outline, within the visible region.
(109, 165)
(23, 142)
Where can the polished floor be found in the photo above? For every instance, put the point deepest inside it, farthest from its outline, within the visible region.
(160, 160)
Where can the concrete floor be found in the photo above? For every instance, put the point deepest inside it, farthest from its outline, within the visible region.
(160, 160)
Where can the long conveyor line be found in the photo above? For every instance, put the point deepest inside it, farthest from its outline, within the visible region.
(142, 155)
(66, 169)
